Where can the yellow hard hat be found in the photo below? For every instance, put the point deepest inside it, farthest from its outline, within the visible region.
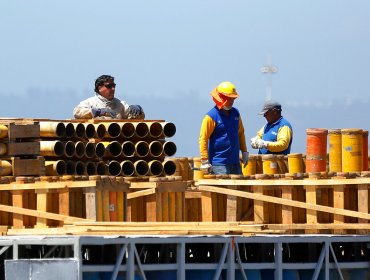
(227, 89)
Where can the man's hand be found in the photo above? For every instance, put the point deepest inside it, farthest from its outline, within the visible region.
(254, 142)
(135, 111)
(103, 112)
(262, 144)
(245, 157)
(206, 167)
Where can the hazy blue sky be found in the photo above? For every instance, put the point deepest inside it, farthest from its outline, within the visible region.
(168, 56)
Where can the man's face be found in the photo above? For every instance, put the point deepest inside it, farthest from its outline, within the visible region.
(107, 90)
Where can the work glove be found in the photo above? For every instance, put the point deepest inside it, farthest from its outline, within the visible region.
(135, 112)
(205, 166)
(103, 112)
(245, 157)
(262, 144)
(254, 142)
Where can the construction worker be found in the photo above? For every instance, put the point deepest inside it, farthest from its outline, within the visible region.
(222, 134)
(277, 135)
(104, 105)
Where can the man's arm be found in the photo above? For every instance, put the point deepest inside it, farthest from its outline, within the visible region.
(283, 139)
(206, 130)
(83, 110)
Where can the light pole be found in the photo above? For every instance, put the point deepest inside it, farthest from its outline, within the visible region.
(269, 69)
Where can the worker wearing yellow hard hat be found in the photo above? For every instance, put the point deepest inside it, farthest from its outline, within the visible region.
(222, 134)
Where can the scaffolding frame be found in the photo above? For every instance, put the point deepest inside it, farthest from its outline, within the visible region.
(229, 260)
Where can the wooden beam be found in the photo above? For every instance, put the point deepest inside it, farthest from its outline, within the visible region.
(283, 201)
(39, 214)
(283, 182)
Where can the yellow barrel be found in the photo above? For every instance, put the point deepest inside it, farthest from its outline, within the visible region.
(352, 150)
(335, 150)
(259, 168)
(250, 169)
(365, 150)
(197, 173)
(295, 163)
(269, 164)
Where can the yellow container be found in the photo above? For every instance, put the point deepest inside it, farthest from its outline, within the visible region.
(269, 164)
(197, 173)
(352, 150)
(295, 163)
(250, 169)
(335, 150)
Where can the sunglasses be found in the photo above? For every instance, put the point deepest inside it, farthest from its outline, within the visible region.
(110, 86)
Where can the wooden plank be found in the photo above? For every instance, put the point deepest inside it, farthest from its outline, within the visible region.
(16, 131)
(282, 182)
(26, 219)
(4, 199)
(120, 206)
(99, 206)
(180, 197)
(172, 206)
(159, 208)
(113, 206)
(22, 148)
(165, 185)
(282, 201)
(311, 215)
(39, 214)
(41, 206)
(91, 204)
(140, 209)
(206, 204)
(259, 215)
(79, 203)
(363, 203)
(136, 194)
(231, 206)
(165, 208)
(105, 200)
(27, 167)
(338, 194)
(287, 211)
(151, 207)
(17, 200)
(63, 197)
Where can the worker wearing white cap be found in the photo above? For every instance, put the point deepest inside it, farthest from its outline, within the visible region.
(222, 134)
(276, 136)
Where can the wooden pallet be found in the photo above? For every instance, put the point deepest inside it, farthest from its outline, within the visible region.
(28, 166)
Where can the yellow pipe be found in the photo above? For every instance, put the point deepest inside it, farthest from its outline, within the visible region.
(52, 129)
(250, 168)
(269, 164)
(352, 150)
(5, 168)
(3, 131)
(335, 150)
(295, 163)
(198, 174)
(3, 149)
